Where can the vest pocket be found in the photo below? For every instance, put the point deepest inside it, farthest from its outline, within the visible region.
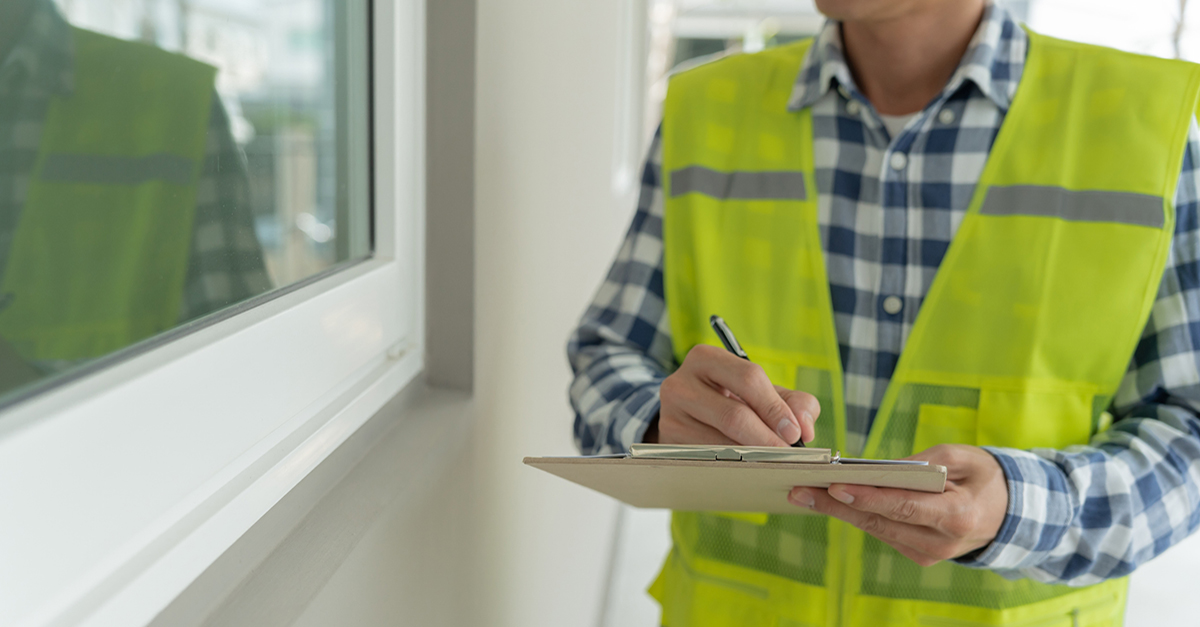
(944, 424)
(1017, 418)
(1041, 418)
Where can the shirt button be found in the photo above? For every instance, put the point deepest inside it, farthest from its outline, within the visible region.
(898, 161)
(946, 116)
(893, 305)
(853, 108)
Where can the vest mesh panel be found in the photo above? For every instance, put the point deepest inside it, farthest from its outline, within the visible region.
(887, 573)
(792, 547)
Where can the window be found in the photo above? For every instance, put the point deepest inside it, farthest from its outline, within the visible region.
(166, 161)
(134, 472)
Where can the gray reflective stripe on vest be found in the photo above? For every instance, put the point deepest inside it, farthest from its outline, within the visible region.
(1079, 206)
(738, 185)
(117, 170)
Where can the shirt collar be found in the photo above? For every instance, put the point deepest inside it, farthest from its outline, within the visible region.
(43, 57)
(994, 61)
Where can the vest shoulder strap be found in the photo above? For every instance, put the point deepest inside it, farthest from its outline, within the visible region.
(766, 77)
(731, 113)
(1090, 117)
(1124, 65)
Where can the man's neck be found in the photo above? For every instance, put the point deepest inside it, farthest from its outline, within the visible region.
(901, 63)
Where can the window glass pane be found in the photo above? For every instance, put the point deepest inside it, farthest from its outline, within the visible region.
(163, 160)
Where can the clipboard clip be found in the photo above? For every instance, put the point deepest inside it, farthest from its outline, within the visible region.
(733, 453)
(728, 455)
(684, 452)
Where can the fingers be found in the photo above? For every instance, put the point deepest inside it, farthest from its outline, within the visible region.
(906, 506)
(920, 558)
(733, 418)
(682, 428)
(919, 543)
(737, 399)
(804, 406)
(947, 514)
(924, 527)
(750, 383)
(689, 398)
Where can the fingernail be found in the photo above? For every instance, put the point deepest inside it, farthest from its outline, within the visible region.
(788, 431)
(842, 496)
(803, 498)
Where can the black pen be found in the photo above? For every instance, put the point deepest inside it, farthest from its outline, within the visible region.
(732, 345)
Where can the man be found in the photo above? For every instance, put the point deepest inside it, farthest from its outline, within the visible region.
(1034, 200)
(124, 204)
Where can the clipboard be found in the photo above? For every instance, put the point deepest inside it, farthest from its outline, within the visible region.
(731, 479)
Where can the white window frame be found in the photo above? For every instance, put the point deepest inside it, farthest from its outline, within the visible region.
(117, 490)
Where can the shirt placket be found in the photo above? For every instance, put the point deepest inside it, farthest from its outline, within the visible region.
(890, 302)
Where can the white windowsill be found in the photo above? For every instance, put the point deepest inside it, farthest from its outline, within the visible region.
(180, 471)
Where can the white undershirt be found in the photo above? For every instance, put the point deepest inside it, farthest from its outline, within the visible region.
(895, 123)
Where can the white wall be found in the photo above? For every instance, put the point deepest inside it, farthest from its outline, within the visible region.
(547, 226)
(495, 543)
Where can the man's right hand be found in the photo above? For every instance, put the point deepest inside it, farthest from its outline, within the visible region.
(716, 397)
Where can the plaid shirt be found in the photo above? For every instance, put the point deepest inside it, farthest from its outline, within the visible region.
(225, 263)
(1076, 516)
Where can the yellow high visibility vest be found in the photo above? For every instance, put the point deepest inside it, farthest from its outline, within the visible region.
(1022, 341)
(99, 256)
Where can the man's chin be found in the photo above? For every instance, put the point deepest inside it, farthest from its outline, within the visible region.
(855, 10)
(869, 10)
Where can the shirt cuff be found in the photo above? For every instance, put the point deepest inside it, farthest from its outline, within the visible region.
(636, 415)
(1040, 510)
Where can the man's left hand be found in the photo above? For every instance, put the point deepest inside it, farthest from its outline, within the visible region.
(926, 528)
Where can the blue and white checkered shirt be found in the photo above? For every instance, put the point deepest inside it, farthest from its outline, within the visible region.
(1075, 516)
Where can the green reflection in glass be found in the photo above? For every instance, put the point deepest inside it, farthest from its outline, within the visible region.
(158, 166)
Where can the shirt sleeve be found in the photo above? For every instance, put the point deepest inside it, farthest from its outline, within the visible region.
(226, 263)
(1089, 513)
(621, 350)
